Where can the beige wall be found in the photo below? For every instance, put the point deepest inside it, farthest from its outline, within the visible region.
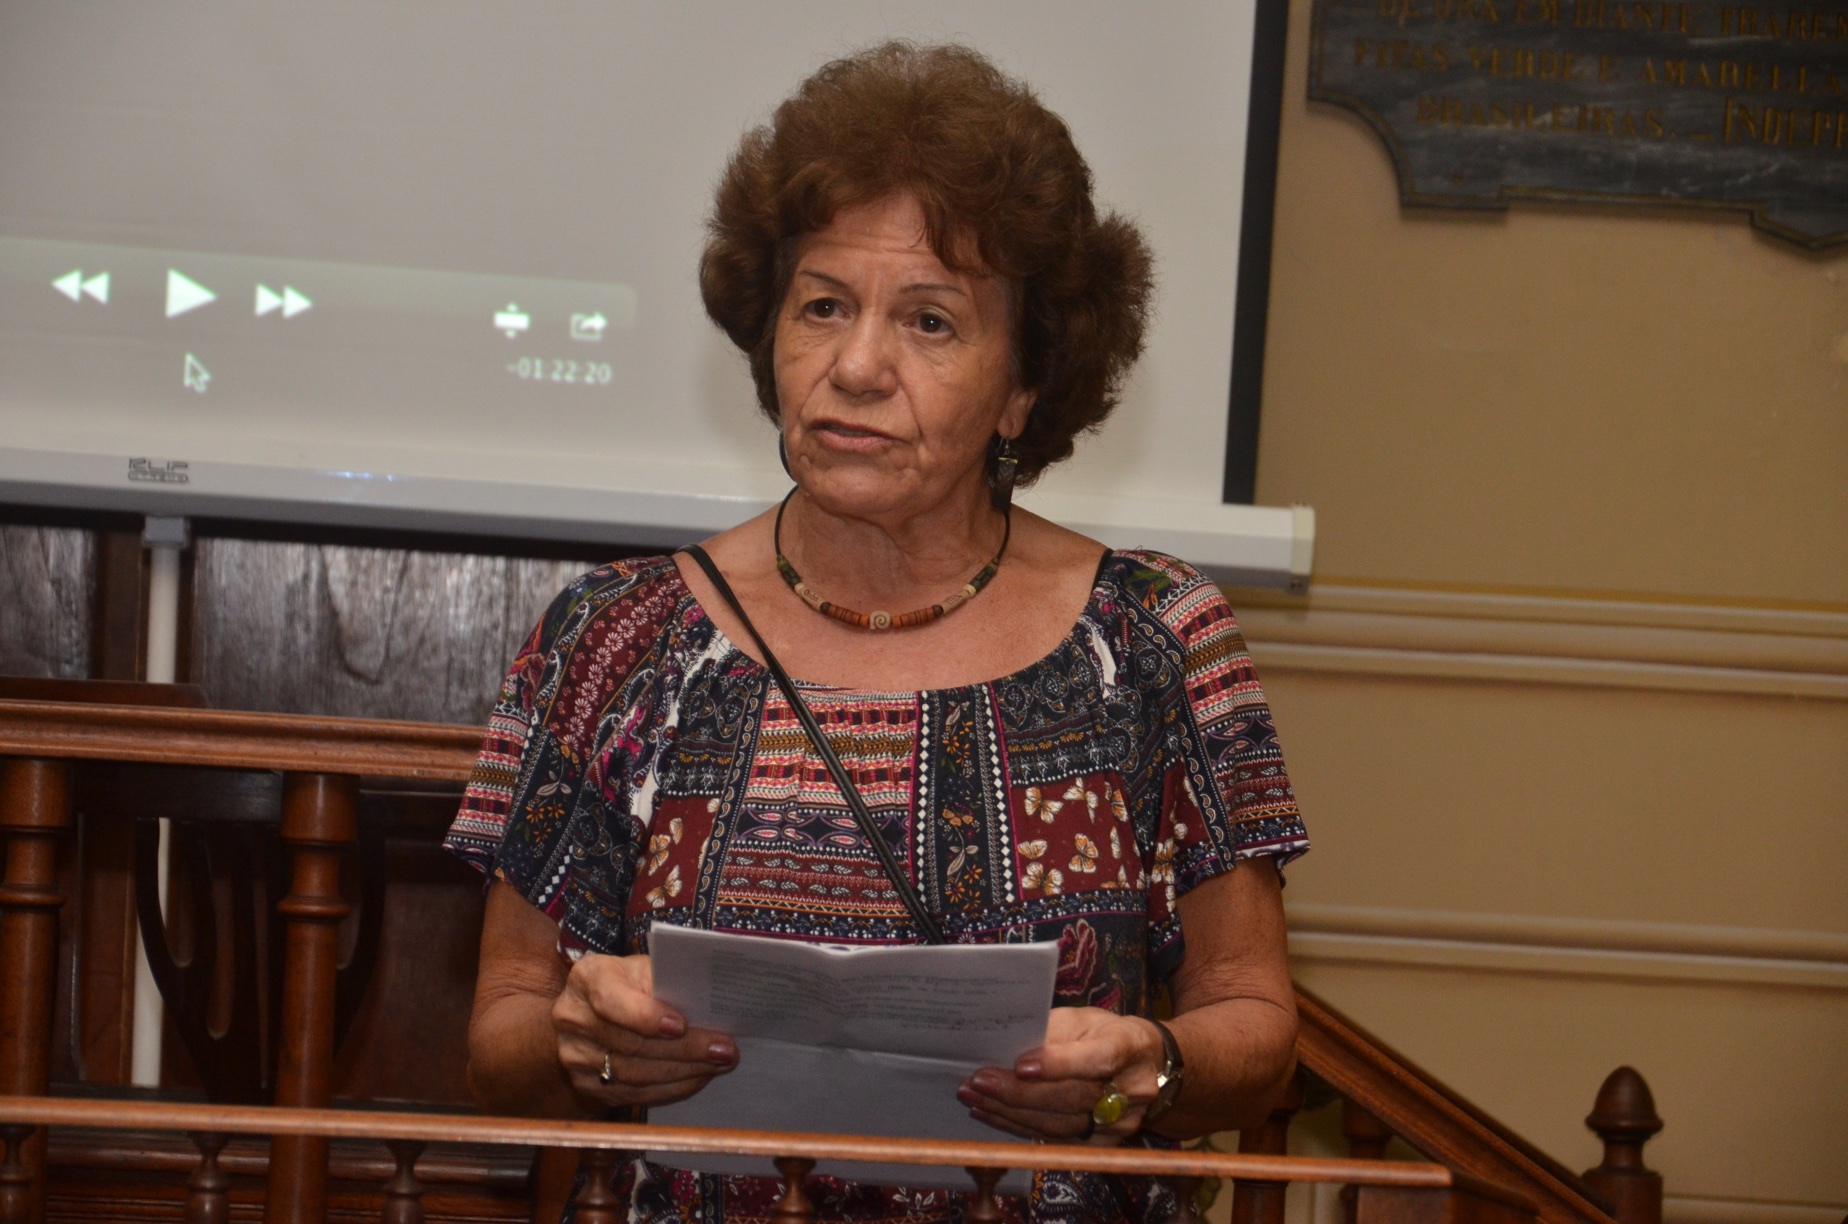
(1559, 398)
(1568, 704)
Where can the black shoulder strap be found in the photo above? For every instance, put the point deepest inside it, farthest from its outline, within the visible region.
(862, 816)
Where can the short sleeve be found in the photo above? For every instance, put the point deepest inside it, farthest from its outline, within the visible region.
(481, 822)
(548, 806)
(1225, 794)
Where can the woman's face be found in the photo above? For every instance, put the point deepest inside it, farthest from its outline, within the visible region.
(893, 372)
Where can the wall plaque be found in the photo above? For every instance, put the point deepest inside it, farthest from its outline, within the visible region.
(1639, 101)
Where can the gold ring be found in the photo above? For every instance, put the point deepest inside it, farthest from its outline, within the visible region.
(607, 1074)
(1109, 1107)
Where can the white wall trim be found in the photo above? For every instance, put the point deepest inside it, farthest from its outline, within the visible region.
(1597, 673)
(1573, 947)
(1527, 960)
(1625, 643)
(1708, 615)
(1685, 1209)
(1602, 934)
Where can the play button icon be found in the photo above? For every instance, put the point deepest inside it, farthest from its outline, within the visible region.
(184, 293)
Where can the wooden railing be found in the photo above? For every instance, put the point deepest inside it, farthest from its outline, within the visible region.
(321, 760)
(1387, 1191)
(1482, 1168)
(1386, 1094)
(226, 739)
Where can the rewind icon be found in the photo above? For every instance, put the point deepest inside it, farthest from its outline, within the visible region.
(73, 286)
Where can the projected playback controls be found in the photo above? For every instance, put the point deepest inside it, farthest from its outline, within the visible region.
(76, 286)
(290, 301)
(590, 326)
(217, 334)
(562, 370)
(185, 294)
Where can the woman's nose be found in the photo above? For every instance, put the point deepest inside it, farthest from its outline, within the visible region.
(863, 363)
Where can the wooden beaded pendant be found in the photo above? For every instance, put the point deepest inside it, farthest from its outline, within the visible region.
(879, 622)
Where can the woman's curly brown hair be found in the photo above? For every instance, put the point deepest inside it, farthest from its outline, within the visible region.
(997, 176)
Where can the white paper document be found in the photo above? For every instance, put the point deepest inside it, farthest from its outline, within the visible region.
(868, 1041)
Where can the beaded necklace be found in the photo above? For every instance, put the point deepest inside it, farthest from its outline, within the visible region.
(881, 621)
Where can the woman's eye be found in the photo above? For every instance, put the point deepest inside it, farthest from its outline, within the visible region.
(824, 308)
(932, 324)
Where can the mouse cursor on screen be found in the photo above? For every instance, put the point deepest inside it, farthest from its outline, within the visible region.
(195, 376)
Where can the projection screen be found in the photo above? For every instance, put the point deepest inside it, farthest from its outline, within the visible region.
(432, 265)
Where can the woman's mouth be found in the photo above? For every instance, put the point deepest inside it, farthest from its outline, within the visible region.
(848, 437)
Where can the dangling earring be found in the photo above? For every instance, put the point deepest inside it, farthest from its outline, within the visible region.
(1001, 475)
(782, 455)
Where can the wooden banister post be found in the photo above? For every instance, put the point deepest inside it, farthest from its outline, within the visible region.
(1261, 1202)
(35, 811)
(208, 1190)
(598, 1203)
(15, 1178)
(1186, 1200)
(794, 1207)
(319, 820)
(1367, 1138)
(984, 1207)
(403, 1193)
(1624, 1116)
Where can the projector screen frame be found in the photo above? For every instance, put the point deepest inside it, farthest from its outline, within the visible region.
(328, 488)
(1251, 306)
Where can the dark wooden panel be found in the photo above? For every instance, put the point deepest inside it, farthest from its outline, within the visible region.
(409, 1041)
(142, 1176)
(102, 692)
(46, 591)
(101, 970)
(364, 632)
(119, 622)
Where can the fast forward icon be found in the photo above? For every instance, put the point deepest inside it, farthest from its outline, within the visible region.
(289, 301)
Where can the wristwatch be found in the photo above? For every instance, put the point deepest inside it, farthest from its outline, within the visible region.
(1168, 1079)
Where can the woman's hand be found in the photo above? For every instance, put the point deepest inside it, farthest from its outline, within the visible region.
(1234, 1020)
(1050, 1092)
(607, 1011)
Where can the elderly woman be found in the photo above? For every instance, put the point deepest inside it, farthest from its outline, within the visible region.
(1056, 741)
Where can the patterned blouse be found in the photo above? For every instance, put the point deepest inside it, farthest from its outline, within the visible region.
(640, 768)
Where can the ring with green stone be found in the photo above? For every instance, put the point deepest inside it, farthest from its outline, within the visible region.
(1109, 1107)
